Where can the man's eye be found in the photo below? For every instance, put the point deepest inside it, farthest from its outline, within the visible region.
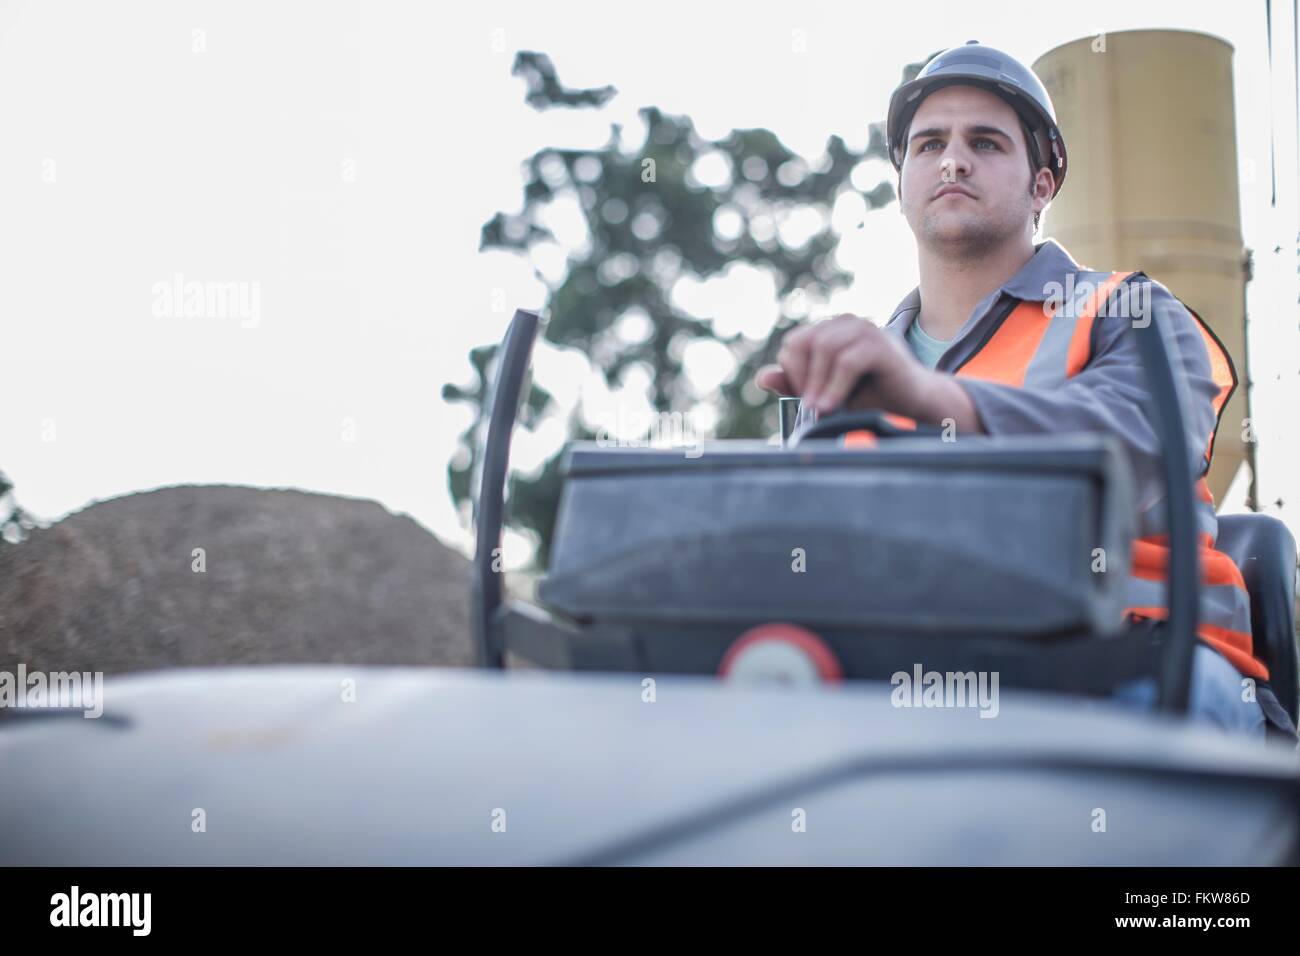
(983, 139)
(928, 143)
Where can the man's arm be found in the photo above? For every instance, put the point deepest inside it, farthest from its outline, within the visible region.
(822, 363)
(850, 362)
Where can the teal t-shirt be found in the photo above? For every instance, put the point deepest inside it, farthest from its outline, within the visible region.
(927, 348)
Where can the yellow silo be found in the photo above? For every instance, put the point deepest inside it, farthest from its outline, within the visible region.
(1149, 123)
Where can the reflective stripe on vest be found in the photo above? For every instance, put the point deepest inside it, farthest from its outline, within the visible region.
(1042, 345)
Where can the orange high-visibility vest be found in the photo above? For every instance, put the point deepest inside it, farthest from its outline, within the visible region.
(1049, 347)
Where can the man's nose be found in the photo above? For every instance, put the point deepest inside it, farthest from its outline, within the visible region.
(956, 164)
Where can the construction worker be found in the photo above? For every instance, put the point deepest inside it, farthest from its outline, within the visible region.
(1004, 336)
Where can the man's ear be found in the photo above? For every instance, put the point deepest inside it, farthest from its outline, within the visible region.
(1042, 188)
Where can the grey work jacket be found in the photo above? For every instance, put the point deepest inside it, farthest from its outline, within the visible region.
(1109, 395)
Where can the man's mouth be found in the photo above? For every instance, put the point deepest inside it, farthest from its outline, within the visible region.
(953, 190)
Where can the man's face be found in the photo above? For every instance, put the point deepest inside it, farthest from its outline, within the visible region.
(966, 180)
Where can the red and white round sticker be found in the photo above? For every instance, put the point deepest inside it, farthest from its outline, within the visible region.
(780, 653)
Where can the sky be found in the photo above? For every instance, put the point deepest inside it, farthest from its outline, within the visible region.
(323, 171)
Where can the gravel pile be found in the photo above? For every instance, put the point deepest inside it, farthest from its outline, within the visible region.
(290, 577)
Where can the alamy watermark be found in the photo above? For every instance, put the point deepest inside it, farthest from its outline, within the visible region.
(74, 690)
(76, 908)
(193, 299)
(1130, 300)
(923, 688)
(650, 430)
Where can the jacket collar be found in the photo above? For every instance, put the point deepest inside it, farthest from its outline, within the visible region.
(1049, 263)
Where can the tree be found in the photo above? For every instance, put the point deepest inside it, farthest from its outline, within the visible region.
(15, 521)
(651, 222)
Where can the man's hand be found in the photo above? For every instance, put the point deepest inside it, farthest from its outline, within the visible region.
(852, 363)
